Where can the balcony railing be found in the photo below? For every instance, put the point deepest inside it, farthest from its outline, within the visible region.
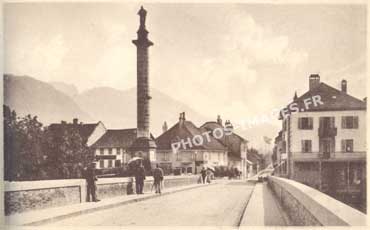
(327, 131)
(332, 155)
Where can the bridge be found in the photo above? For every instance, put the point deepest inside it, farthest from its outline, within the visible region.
(236, 203)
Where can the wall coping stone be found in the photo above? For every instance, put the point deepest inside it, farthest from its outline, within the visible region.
(327, 210)
(47, 184)
(41, 184)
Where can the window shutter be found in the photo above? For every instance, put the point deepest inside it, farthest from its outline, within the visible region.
(299, 123)
(309, 149)
(302, 145)
(310, 123)
(350, 145)
(355, 122)
(332, 122)
(343, 145)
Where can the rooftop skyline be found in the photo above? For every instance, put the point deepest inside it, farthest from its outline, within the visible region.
(237, 60)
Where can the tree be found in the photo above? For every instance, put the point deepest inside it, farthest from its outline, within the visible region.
(9, 143)
(67, 152)
(23, 153)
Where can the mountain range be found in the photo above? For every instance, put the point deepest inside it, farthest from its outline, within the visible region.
(53, 102)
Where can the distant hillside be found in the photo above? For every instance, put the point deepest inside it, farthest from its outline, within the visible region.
(68, 89)
(117, 108)
(56, 101)
(27, 95)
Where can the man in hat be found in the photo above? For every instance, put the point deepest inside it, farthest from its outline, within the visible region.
(139, 178)
(203, 174)
(91, 185)
(158, 178)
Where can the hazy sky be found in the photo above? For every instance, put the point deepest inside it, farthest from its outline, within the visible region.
(238, 60)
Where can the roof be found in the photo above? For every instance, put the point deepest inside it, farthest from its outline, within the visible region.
(143, 143)
(182, 131)
(254, 157)
(233, 141)
(332, 100)
(85, 130)
(279, 137)
(114, 138)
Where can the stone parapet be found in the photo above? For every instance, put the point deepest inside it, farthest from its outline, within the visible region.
(26, 196)
(309, 207)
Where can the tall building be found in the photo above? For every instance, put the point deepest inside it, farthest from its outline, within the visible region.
(143, 145)
(323, 141)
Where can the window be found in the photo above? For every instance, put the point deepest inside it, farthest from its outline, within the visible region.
(119, 151)
(109, 151)
(117, 163)
(110, 163)
(305, 123)
(101, 151)
(306, 146)
(125, 157)
(350, 122)
(166, 156)
(101, 164)
(355, 174)
(327, 122)
(347, 146)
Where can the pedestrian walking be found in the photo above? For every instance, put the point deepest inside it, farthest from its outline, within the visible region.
(91, 185)
(203, 173)
(236, 173)
(139, 178)
(158, 178)
(209, 175)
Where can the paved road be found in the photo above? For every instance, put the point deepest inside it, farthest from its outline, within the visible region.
(216, 205)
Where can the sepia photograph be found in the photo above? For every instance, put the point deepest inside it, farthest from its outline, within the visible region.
(139, 114)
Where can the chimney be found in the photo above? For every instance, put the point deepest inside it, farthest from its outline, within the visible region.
(344, 86)
(314, 81)
(228, 124)
(182, 118)
(219, 120)
(164, 127)
(75, 121)
(295, 96)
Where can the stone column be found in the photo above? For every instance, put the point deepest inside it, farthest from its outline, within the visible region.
(142, 43)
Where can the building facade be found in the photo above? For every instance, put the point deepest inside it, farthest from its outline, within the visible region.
(324, 144)
(177, 150)
(236, 145)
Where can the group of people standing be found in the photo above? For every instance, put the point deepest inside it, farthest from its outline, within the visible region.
(234, 173)
(205, 176)
(138, 172)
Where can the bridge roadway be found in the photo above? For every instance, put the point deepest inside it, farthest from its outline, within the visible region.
(223, 204)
